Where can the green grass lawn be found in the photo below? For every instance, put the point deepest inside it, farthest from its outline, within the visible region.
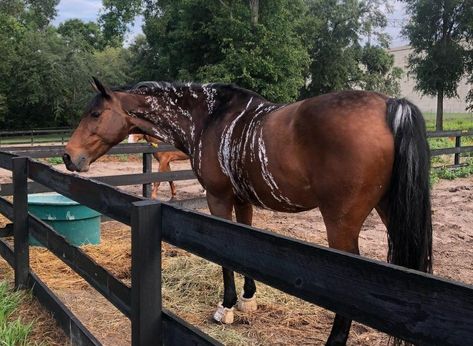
(13, 332)
(451, 121)
(37, 139)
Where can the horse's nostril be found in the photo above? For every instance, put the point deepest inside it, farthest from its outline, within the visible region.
(66, 158)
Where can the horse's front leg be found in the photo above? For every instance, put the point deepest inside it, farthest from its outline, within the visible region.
(222, 207)
(247, 300)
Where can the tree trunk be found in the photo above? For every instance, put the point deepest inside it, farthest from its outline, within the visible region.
(439, 118)
(254, 8)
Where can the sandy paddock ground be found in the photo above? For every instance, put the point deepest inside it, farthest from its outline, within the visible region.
(192, 286)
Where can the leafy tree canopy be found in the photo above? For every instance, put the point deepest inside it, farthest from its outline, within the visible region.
(221, 41)
(439, 32)
(338, 60)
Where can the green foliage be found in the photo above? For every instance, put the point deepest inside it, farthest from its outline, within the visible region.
(112, 65)
(452, 121)
(54, 160)
(378, 71)
(12, 333)
(339, 62)
(45, 73)
(216, 41)
(115, 17)
(85, 35)
(438, 32)
(451, 173)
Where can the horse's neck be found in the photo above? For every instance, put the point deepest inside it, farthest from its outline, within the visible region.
(179, 112)
(172, 112)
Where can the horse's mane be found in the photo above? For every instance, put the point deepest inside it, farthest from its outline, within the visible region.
(150, 87)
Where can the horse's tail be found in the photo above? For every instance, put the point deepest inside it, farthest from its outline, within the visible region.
(409, 214)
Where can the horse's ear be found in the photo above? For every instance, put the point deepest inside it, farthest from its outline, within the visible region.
(100, 88)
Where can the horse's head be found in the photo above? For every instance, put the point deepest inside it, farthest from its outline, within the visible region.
(104, 124)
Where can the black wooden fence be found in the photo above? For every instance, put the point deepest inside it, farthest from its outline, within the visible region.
(415, 306)
(33, 136)
(455, 151)
(145, 178)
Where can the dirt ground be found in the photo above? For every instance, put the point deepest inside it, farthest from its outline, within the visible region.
(192, 287)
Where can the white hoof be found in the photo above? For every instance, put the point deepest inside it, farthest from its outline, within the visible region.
(247, 304)
(223, 315)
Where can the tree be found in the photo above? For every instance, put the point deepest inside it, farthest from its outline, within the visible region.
(115, 18)
(378, 71)
(338, 60)
(41, 12)
(257, 47)
(87, 35)
(45, 71)
(437, 32)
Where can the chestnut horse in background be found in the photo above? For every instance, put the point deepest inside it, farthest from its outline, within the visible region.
(164, 158)
(346, 152)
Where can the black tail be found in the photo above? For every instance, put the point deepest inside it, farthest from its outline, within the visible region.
(410, 223)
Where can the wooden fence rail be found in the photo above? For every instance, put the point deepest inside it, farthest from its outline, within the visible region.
(457, 150)
(34, 133)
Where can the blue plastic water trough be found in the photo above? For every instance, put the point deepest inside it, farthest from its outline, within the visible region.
(78, 224)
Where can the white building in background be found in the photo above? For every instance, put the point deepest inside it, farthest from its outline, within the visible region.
(426, 103)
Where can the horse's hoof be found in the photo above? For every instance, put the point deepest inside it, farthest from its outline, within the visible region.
(247, 304)
(223, 315)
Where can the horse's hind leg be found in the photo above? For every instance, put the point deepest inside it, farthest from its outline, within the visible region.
(247, 301)
(342, 234)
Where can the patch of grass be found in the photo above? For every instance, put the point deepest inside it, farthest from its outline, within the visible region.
(122, 157)
(451, 121)
(12, 332)
(54, 160)
(451, 173)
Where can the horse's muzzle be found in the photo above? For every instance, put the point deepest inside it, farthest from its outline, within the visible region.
(79, 166)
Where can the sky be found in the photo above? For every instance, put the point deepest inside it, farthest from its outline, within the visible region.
(88, 10)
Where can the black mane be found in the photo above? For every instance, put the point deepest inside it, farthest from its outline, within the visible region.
(150, 87)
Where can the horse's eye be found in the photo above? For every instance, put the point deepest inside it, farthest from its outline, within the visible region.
(95, 114)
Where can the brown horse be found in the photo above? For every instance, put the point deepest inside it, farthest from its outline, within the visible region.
(163, 158)
(345, 152)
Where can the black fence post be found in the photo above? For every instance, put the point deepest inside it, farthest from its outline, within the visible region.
(20, 221)
(457, 145)
(146, 305)
(147, 168)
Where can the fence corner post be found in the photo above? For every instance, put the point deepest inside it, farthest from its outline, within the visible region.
(20, 221)
(146, 304)
(147, 168)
